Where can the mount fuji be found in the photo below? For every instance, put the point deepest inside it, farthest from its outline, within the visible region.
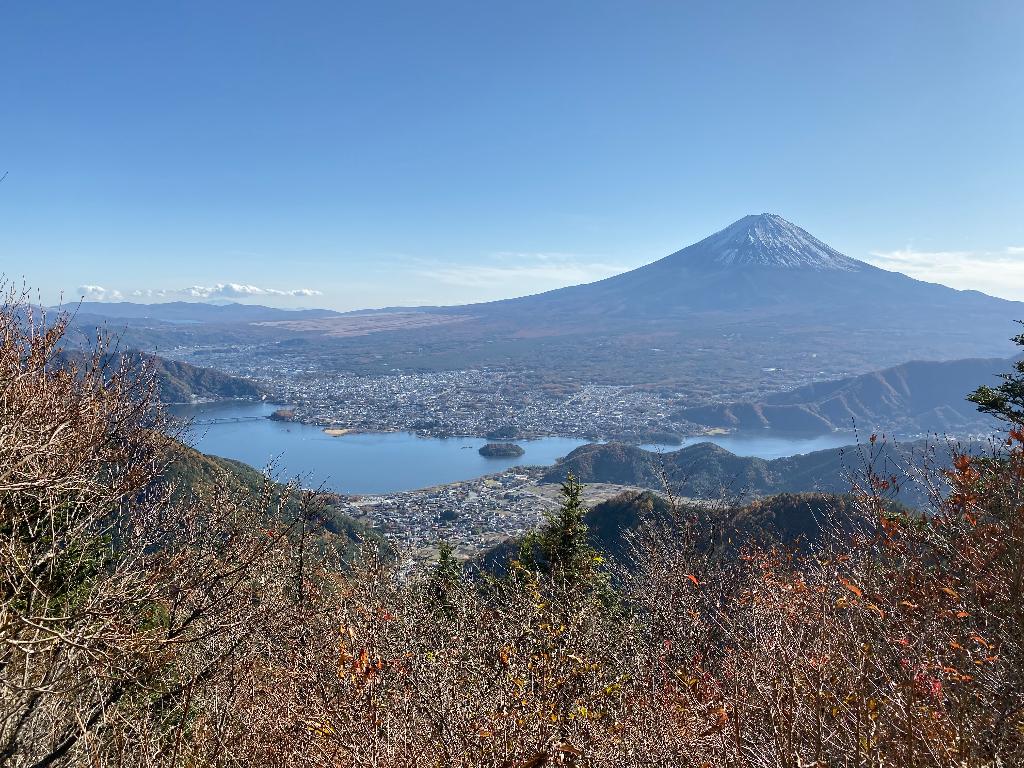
(760, 300)
(767, 240)
(764, 264)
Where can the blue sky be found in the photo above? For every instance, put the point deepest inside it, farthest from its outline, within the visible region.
(389, 153)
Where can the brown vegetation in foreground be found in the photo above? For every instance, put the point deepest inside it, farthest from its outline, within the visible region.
(144, 626)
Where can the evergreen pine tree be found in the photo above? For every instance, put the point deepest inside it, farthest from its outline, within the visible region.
(561, 548)
(445, 579)
(1006, 401)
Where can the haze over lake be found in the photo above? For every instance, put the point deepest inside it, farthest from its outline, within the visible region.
(390, 462)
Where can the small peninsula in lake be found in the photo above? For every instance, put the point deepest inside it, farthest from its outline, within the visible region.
(501, 451)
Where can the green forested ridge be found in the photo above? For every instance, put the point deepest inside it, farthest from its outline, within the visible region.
(706, 470)
(795, 519)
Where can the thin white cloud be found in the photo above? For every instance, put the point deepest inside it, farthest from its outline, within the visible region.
(996, 272)
(242, 290)
(99, 293)
(201, 292)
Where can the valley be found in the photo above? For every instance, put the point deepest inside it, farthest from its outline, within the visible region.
(758, 338)
(419, 491)
(620, 382)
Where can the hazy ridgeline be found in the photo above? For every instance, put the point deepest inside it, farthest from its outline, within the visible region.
(144, 622)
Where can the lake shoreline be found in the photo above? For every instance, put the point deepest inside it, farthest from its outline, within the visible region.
(353, 461)
(684, 439)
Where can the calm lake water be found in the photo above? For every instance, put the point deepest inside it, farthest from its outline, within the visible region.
(766, 445)
(401, 461)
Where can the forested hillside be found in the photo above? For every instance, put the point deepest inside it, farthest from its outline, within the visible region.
(178, 382)
(913, 398)
(792, 519)
(707, 471)
(190, 472)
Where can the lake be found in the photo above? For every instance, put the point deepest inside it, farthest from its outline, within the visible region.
(388, 462)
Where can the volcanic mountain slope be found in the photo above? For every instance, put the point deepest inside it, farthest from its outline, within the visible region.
(762, 266)
(761, 305)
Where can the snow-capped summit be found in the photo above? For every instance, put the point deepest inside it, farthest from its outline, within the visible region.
(761, 270)
(767, 240)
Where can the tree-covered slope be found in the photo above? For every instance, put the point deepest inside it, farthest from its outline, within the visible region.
(787, 518)
(708, 471)
(792, 519)
(190, 471)
(179, 382)
(919, 396)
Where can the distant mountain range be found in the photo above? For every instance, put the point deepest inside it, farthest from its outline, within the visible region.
(195, 312)
(914, 397)
(707, 471)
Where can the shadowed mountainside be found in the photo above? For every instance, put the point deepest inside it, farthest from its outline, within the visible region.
(789, 518)
(919, 396)
(708, 471)
(179, 382)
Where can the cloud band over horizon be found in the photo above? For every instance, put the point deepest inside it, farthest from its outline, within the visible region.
(91, 292)
(998, 272)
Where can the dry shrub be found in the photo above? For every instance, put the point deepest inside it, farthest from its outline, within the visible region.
(896, 645)
(124, 604)
(144, 626)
